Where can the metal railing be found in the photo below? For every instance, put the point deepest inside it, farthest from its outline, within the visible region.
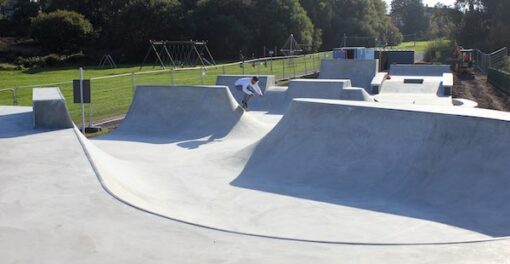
(485, 61)
(112, 95)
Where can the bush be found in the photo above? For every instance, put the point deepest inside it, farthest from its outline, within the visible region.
(61, 30)
(439, 51)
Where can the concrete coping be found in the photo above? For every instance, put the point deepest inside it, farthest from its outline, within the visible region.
(47, 94)
(322, 80)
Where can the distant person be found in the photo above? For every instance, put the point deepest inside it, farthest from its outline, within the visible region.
(250, 88)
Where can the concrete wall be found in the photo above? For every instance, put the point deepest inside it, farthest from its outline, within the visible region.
(360, 72)
(50, 110)
(313, 88)
(355, 94)
(419, 70)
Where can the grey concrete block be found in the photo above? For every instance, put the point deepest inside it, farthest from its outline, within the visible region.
(50, 110)
(360, 72)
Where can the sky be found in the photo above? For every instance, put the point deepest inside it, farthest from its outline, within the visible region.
(432, 2)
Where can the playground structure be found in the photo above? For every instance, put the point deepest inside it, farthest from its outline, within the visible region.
(408, 180)
(291, 47)
(172, 54)
(107, 60)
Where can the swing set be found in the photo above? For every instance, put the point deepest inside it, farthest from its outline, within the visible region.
(173, 54)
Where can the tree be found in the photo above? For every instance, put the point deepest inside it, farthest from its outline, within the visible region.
(233, 25)
(23, 12)
(365, 21)
(484, 24)
(442, 22)
(61, 30)
(409, 16)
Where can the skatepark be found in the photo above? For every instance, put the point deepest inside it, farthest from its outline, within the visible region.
(385, 167)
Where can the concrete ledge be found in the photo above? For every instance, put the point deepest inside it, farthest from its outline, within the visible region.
(355, 94)
(50, 109)
(317, 88)
(377, 82)
(419, 70)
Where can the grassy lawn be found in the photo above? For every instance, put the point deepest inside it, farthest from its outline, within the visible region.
(418, 46)
(112, 95)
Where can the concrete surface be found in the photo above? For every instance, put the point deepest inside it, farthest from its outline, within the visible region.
(360, 72)
(50, 109)
(299, 177)
(434, 86)
(332, 181)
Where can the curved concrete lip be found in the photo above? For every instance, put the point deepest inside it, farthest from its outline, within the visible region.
(464, 103)
(208, 181)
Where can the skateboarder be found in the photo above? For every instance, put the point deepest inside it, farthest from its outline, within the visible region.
(250, 87)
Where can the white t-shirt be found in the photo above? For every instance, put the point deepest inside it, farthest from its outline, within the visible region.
(245, 83)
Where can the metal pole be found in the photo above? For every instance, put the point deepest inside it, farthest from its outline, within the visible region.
(15, 96)
(294, 67)
(258, 68)
(172, 77)
(133, 82)
(81, 101)
(306, 70)
(271, 64)
(90, 109)
(283, 65)
(202, 74)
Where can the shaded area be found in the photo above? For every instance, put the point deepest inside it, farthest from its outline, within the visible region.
(162, 115)
(17, 122)
(438, 167)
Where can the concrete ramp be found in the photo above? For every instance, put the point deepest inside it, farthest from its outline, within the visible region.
(181, 112)
(330, 171)
(416, 84)
(441, 165)
(277, 99)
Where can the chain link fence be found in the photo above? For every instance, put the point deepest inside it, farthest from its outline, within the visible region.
(112, 95)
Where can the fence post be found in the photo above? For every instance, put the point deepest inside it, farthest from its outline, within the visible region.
(90, 110)
(271, 61)
(202, 75)
(294, 67)
(81, 103)
(15, 96)
(283, 65)
(223, 68)
(172, 77)
(133, 82)
(306, 70)
(258, 68)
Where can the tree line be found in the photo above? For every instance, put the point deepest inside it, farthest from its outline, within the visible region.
(124, 27)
